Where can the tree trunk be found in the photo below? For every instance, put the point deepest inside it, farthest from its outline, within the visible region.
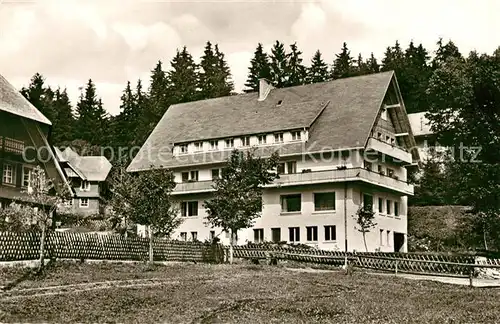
(485, 238)
(42, 247)
(150, 245)
(231, 242)
(364, 241)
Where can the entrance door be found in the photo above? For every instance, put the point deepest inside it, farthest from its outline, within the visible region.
(399, 242)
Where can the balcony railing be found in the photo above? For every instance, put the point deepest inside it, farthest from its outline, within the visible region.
(317, 177)
(11, 145)
(394, 151)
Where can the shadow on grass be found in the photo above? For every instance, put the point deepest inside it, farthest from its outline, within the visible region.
(31, 274)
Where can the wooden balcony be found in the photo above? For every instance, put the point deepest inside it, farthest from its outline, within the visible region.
(317, 177)
(396, 152)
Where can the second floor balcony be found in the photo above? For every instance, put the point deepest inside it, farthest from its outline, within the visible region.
(316, 177)
(397, 152)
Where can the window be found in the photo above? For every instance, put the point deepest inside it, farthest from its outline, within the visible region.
(368, 166)
(388, 240)
(84, 185)
(388, 207)
(380, 169)
(390, 172)
(330, 233)
(212, 235)
(68, 203)
(198, 146)
(324, 201)
(194, 236)
(27, 176)
(245, 141)
(193, 176)
(214, 145)
(387, 139)
(8, 174)
(184, 236)
(380, 205)
(379, 135)
(291, 167)
(312, 233)
(278, 138)
(185, 176)
(367, 202)
(294, 234)
(396, 208)
(258, 235)
(183, 148)
(281, 168)
(84, 202)
(291, 203)
(229, 143)
(276, 234)
(383, 115)
(262, 139)
(393, 141)
(215, 173)
(189, 208)
(296, 136)
(381, 237)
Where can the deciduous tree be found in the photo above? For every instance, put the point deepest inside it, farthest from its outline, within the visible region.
(237, 199)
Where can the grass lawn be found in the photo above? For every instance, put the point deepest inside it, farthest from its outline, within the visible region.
(199, 293)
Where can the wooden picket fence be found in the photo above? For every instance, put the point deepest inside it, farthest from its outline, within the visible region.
(84, 246)
(436, 264)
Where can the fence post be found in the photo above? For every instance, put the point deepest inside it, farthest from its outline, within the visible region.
(471, 274)
(396, 269)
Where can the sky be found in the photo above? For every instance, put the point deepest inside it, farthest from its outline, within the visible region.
(110, 41)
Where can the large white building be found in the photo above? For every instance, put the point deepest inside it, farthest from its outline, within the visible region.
(343, 144)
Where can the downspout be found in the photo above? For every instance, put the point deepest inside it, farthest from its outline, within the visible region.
(345, 221)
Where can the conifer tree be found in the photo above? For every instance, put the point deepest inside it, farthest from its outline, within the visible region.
(183, 78)
(91, 123)
(62, 129)
(296, 71)
(158, 96)
(445, 52)
(124, 125)
(372, 64)
(259, 68)
(39, 95)
(279, 65)
(343, 65)
(224, 83)
(361, 66)
(415, 74)
(207, 74)
(318, 72)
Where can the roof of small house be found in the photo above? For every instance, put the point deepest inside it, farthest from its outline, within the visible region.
(90, 168)
(339, 115)
(420, 125)
(12, 101)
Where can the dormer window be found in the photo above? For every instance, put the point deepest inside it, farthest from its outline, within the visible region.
(245, 141)
(278, 138)
(229, 143)
(296, 136)
(279, 103)
(214, 145)
(183, 149)
(262, 139)
(84, 185)
(198, 146)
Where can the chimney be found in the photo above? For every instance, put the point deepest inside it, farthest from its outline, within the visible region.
(264, 89)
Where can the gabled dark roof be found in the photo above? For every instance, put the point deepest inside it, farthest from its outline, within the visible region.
(12, 101)
(90, 168)
(339, 113)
